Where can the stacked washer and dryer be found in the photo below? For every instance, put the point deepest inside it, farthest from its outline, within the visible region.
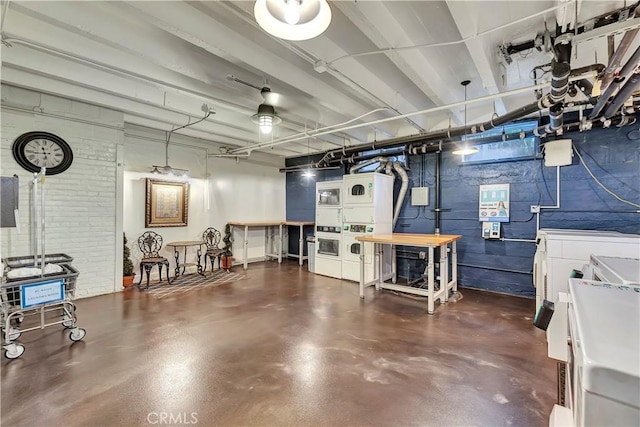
(359, 204)
(328, 257)
(367, 210)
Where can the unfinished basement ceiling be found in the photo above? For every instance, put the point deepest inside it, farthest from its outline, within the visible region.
(159, 62)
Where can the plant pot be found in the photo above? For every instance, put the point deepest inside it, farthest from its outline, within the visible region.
(227, 261)
(127, 281)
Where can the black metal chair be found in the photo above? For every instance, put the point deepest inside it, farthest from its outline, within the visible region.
(212, 237)
(150, 244)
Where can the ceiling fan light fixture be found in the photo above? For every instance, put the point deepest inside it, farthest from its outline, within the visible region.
(266, 118)
(293, 19)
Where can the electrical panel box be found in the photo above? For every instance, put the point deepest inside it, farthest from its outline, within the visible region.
(558, 153)
(420, 196)
(491, 230)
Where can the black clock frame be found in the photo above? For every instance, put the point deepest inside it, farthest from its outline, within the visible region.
(21, 142)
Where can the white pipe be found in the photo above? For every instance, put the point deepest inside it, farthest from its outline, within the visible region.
(403, 190)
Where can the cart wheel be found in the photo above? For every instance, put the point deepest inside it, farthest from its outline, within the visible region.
(68, 323)
(14, 334)
(19, 319)
(77, 334)
(13, 351)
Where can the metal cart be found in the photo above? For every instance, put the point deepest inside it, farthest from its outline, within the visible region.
(47, 298)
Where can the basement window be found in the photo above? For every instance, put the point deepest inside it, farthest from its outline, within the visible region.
(504, 144)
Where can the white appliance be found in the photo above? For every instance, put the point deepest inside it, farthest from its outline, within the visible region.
(353, 248)
(328, 194)
(367, 209)
(328, 246)
(625, 271)
(599, 328)
(372, 189)
(329, 254)
(561, 251)
(328, 217)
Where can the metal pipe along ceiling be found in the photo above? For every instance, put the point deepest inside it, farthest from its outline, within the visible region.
(625, 43)
(626, 71)
(625, 92)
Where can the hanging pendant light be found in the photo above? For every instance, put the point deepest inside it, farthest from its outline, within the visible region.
(464, 148)
(308, 173)
(168, 170)
(293, 19)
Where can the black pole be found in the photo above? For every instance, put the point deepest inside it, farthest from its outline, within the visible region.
(437, 210)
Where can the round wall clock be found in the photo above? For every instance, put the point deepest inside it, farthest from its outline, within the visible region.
(33, 150)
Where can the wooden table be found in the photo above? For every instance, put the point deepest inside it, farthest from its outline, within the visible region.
(301, 224)
(429, 241)
(185, 264)
(268, 243)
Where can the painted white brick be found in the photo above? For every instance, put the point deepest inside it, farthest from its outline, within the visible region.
(80, 203)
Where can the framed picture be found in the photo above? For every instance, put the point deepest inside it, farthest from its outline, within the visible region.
(167, 203)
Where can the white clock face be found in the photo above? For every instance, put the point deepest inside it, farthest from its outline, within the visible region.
(38, 149)
(43, 152)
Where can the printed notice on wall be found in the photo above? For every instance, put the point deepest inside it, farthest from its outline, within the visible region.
(494, 203)
(42, 293)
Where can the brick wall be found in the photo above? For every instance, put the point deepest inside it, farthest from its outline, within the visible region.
(80, 203)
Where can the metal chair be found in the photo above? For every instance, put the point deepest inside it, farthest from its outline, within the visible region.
(150, 244)
(212, 237)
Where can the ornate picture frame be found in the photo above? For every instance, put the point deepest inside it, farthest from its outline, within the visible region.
(167, 203)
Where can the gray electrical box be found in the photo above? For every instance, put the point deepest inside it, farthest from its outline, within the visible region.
(420, 196)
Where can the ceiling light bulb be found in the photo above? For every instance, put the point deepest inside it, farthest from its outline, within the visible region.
(265, 123)
(292, 11)
(465, 150)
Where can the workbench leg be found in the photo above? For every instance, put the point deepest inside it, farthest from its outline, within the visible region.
(431, 283)
(362, 271)
(280, 246)
(454, 267)
(301, 246)
(246, 247)
(377, 250)
(394, 266)
(444, 271)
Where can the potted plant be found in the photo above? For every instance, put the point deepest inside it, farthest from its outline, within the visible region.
(127, 265)
(227, 256)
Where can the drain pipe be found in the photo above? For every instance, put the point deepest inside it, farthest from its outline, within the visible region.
(403, 190)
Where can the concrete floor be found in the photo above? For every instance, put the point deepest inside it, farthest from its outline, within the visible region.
(284, 347)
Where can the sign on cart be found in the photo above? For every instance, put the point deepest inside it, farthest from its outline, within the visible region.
(41, 293)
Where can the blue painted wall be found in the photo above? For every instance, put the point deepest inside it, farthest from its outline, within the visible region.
(502, 265)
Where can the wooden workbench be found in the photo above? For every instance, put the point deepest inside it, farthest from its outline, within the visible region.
(268, 241)
(300, 224)
(429, 241)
